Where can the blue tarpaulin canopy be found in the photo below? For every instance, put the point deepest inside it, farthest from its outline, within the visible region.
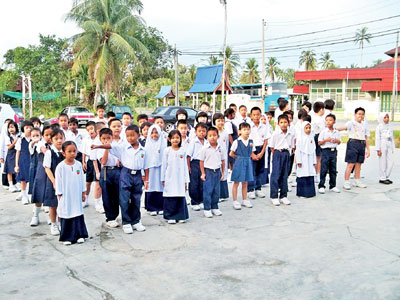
(165, 92)
(208, 80)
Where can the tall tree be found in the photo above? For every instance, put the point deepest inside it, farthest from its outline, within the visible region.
(213, 60)
(251, 71)
(107, 41)
(309, 60)
(272, 67)
(232, 62)
(361, 37)
(325, 61)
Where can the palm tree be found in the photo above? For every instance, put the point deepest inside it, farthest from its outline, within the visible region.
(108, 41)
(192, 73)
(213, 60)
(251, 71)
(353, 66)
(272, 67)
(232, 62)
(326, 62)
(377, 62)
(309, 60)
(360, 38)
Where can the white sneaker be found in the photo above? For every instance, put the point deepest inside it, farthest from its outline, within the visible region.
(18, 186)
(285, 201)
(260, 194)
(139, 227)
(161, 212)
(289, 189)
(19, 197)
(216, 212)
(294, 184)
(127, 228)
(54, 229)
(360, 184)
(171, 222)
(80, 241)
(67, 243)
(335, 190)
(13, 189)
(112, 224)
(275, 202)
(85, 204)
(247, 203)
(196, 207)
(208, 213)
(201, 205)
(236, 205)
(223, 199)
(347, 185)
(6, 187)
(316, 178)
(251, 195)
(153, 213)
(46, 209)
(25, 200)
(35, 221)
(48, 220)
(321, 190)
(99, 209)
(182, 221)
(352, 176)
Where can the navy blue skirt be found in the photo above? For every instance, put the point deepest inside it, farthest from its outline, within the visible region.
(242, 170)
(175, 208)
(9, 166)
(32, 175)
(73, 229)
(50, 198)
(305, 186)
(153, 201)
(24, 168)
(224, 191)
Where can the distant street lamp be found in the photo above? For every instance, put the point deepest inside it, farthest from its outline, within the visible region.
(223, 2)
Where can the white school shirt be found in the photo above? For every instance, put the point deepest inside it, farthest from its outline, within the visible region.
(70, 184)
(3, 138)
(277, 113)
(122, 135)
(86, 145)
(39, 145)
(281, 140)
(307, 162)
(245, 142)
(104, 120)
(384, 139)
(128, 156)
(112, 160)
(239, 120)
(47, 156)
(69, 136)
(212, 157)
(228, 126)
(77, 139)
(174, 172)
(185, 144)
(327, 134)
(259, 134)
(356, 130)
(317, 123)
(19, 142)
(194, 148)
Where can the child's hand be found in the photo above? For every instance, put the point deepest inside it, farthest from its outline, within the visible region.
(83, 197)
(299, 165)
(97, 175)
(190, 170)
(146, 185)
(119, 163)
(84, 166)
(186, 187)
(222, 177)
(16, 169)
(379, 153)
(203, 177)
(2, 160)
(163, 183)
(54, 185)
(93, 146)
(367, 154)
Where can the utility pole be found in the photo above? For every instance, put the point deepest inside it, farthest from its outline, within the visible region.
(263, 64)
(23, 94)
(395, 80)
(30, 96)
(223, 2)
(176, 77)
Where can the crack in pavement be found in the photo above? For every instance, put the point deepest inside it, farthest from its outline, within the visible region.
(105, 295)
(370, 243)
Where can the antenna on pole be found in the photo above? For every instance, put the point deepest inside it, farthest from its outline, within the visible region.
(263, 64)
(223, 2)
(176, 77)
(395, 80)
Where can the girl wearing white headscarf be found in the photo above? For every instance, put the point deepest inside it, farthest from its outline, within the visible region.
(384, 145)
(155, 145)
(306, 160)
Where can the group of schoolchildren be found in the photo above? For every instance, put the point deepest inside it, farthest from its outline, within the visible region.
(121, 159)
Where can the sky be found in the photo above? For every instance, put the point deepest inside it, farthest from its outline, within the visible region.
(199, 25)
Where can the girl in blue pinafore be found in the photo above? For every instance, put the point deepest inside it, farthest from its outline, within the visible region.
(242, 150)
(36, 136)
(9, 166)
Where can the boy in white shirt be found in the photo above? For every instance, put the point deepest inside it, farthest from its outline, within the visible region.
(318, 124)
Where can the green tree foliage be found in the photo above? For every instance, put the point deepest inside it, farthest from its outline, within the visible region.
(308, 59)
(250, 73)
(232, 62)
(272, 67)
(360, 38)
(326, 62)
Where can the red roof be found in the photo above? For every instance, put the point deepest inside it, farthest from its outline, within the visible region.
(379, 79)
(301, 89)
(388, 64)
(391, 52)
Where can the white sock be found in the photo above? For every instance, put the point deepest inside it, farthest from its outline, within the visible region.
(10, 184)
(98, 201)
(24, 193)
(54, 224)
(36, 210)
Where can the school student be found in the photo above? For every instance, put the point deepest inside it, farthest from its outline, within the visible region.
(283, 105)
(36, 136)
(181, 114)
(193, 161)
(232, 131)
(212, 166)
(305, 160)
(23, 160)
(131, 155)
(141, 118)
(242, 116)
(70, 191)
(205, 107)
(329, 139)
(259, 135)
(40, 179)
(109, 178)
(182, 127)
(155, 146)
(63, 121)
(158, 120)
(51, 159)
(329, 107)
(281, 144)
(384, 145)
(126, 121)
(357, 148)
(9, 165)
(144, 130)
(100, 112)
(109, 116)
(175, 179)
(76, 137)
(307, 106)
(318, 124)
(3, 152)
(223, 142)
(242, 151)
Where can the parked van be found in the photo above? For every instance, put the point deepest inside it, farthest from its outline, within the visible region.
(7, 112)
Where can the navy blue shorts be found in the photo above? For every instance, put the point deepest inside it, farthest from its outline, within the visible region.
(90, 172)
(355, 151)
(318, 150)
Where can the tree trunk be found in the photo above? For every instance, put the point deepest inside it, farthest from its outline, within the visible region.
(96, 95)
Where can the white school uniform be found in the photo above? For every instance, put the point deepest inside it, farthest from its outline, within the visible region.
(194, 148)
(317, 123)
(281, 140)
(129, 157)
(19, 142)
(104, 120)
(47, 156)
(327, 134)
(212, 157)
(153, 159)
(3, 137)
(239, 120)
(223, 141)
(185, 144)
(70, 184)
(356, 130)
(68, 134)
(305, 154)
(77, 139)
(86, 146)
(259, 134)
(384, 142)
(174, 172)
